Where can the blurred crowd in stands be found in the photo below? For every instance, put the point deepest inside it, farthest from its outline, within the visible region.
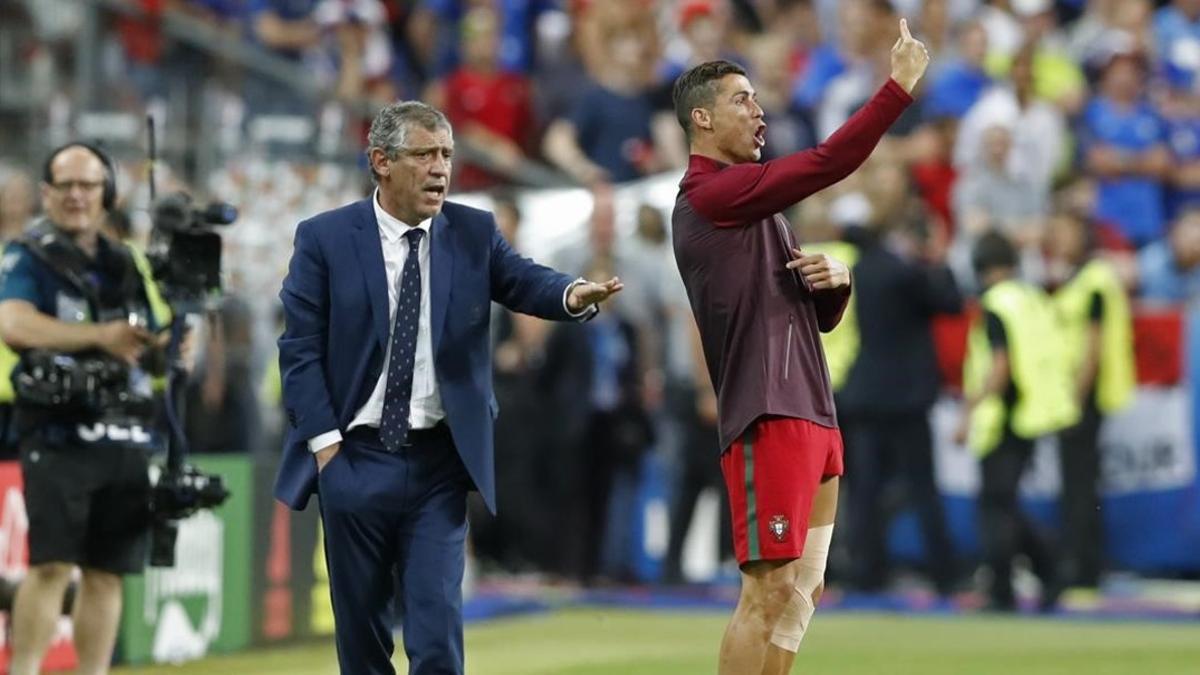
(1032, 111)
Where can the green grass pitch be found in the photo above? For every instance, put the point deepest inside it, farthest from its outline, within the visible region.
(626, 642)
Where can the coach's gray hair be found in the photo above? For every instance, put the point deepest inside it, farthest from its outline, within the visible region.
(389, 129)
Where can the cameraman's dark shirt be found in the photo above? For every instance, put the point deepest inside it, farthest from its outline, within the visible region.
(24, 276)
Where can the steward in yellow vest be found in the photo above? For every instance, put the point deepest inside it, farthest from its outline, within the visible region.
(1097, 330)
(1016, 377)
(1018, 389)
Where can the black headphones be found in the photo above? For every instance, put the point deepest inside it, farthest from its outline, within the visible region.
(110, 170)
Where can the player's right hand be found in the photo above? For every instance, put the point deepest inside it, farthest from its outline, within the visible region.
(909, 59)
(123, 340)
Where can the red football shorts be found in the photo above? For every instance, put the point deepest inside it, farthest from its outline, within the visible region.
(772, 474)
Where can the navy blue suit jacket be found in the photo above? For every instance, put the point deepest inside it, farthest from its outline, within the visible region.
(335, 301)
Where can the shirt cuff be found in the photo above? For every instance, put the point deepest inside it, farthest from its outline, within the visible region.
(318, 443)
(583, 314)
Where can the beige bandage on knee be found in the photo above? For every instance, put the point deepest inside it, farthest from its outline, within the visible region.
(799, 611)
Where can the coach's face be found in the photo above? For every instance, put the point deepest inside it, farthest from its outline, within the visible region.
(737, 120)
(416, 181)
(74, 197)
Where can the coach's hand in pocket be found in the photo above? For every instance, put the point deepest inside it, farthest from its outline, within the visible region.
(326, 455)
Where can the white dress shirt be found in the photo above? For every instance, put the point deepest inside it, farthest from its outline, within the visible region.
(425, 406)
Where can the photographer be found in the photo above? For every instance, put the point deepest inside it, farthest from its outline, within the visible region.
(71, 292)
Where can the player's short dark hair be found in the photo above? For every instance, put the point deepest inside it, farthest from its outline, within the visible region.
(993, 251)
(697, 88)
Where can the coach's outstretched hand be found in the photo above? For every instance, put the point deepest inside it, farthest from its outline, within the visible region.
(909, 59)
(591, 293)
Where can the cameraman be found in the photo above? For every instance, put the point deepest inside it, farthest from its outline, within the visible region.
(85, 471)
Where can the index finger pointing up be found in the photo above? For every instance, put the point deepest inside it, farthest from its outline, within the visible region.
(904, 29)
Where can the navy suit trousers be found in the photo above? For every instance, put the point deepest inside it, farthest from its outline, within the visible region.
(396, 521)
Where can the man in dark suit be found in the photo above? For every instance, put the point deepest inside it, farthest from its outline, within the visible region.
(387, 381)
(902, 282)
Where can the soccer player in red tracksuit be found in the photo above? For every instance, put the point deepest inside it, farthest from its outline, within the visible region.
(759, 302)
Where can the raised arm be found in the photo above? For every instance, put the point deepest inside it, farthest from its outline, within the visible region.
(748, 192)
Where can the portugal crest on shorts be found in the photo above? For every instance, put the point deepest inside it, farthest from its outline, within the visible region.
(779, 527)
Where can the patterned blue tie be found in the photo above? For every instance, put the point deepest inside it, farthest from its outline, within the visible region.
(393, 428)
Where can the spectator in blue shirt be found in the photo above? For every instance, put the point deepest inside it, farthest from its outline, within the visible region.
(956, 87)
(1181, 110)
(517, 43)
(286, 27)
(608, 137)
(290, 29)
(1177, 34)
(1124, 144)
(1169, 269)
(856, 31)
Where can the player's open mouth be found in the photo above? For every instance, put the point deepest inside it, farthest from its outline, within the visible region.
(760, 135)
(437, 191)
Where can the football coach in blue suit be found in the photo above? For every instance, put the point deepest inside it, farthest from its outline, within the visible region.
(387, 381)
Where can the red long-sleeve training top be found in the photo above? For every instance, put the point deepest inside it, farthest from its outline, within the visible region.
(758, 320)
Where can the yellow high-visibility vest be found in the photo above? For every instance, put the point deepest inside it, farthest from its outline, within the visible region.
(1116, 373)
(159, 309)
(270, 391)
(842, 343)
(1038, 367)
(8, 362)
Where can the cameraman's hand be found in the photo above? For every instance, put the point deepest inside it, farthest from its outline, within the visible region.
(124, 341)
(325, 455)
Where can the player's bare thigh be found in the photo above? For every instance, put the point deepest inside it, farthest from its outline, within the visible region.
(824, 508)
(767, 573)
